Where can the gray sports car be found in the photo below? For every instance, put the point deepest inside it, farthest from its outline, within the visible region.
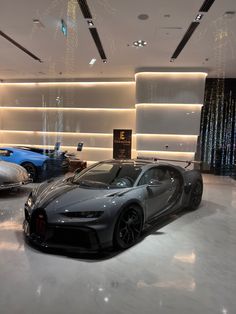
(12, 175)
(107, 204)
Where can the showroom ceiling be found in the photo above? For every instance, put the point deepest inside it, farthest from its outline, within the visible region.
(160, 24)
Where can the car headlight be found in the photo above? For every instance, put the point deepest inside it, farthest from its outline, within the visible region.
(85, 214)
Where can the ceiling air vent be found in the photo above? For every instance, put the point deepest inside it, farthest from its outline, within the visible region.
(98, 43)
(19, 46)
(85, 9)
(206, 5)
(185, 39)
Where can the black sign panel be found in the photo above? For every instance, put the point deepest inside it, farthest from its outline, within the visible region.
(122, 143)
(80, 146)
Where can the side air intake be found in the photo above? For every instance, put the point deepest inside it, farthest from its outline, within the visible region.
(185, 39)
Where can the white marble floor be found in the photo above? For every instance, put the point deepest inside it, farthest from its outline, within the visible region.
(186, 267)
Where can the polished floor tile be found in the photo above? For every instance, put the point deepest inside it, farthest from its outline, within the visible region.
(187, 266)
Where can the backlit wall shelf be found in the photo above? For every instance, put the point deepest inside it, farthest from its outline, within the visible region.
(162, 109)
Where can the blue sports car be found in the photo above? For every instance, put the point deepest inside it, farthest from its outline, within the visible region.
(36, 164)
(42, 163)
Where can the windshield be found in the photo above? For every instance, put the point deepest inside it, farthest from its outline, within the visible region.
(109, 175)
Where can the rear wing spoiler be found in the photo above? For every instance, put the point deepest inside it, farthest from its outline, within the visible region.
(154, 159)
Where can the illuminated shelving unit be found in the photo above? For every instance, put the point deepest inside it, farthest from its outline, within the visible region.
(162, 108)
(69, 112)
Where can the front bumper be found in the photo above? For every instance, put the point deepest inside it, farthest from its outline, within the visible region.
(61, 236)
(14, 184)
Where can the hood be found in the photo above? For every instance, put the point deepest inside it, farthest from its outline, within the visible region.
(61, 193)
(10, 172)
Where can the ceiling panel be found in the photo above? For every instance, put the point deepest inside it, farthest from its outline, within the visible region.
(212, 46)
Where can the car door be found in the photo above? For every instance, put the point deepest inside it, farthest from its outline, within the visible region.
(159, 185)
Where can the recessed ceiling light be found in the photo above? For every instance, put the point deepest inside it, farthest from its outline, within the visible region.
(199, 17)
(229, 14)
(143, 17)
(38, 23)
(167, 15)
(92, 61)
(139, 43)
(90, 23)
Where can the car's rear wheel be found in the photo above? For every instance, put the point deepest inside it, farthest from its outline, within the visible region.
(31, 169)
(196, 195)
(128, 227)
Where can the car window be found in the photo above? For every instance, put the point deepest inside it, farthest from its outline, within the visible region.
(102, 167)
(156, 173)
(111, 175)
(5, 153)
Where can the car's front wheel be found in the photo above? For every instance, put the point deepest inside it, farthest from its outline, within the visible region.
(31, 169)
(128, 227)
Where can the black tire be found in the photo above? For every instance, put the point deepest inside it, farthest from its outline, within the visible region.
(128, 227)
(31, 169)
(196, 195)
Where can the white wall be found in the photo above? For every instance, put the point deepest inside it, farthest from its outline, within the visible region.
(35, 114)
(162, 108)
(168, 112)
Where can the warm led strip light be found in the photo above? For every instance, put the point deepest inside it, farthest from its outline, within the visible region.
(65, 83)
(67, 109)
(59, 133)
(177, 106)
(55, 133)
(145, 73)
(52, 146)
(177, 136)
(165, 152)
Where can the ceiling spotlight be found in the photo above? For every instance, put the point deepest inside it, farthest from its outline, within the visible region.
(229, 14)
(172, 60)
(38, 23)
(198, 17)
(90, 23)
(104, 60)
(92, 61)
(139, 43)
(143, 17)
